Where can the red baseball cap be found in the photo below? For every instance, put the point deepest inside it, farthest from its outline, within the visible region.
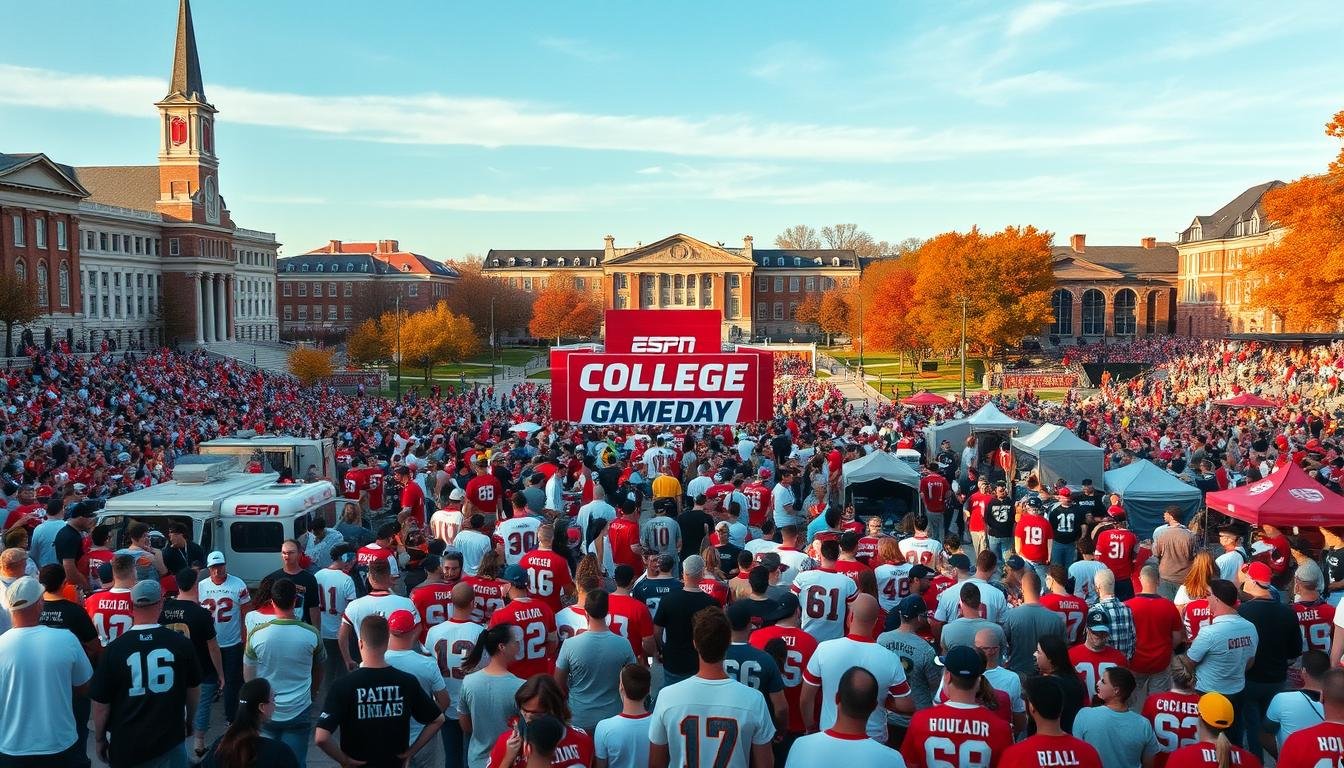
(402, 622)
(44, 492)
(1259, 573)
(1064, 491)
(764, 472)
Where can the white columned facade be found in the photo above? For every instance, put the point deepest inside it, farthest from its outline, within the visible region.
(196, 282)
(208, 286)
(221, 308)
(230, 307)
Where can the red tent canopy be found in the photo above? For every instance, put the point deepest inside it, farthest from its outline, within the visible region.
(1246, 400)
(1286, 498)
(925, 398)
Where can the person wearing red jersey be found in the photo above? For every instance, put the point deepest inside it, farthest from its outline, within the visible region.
(1211, 740)
(412, 495)
(848, 563)
(1071, 607)
(548, 575)
(628, 616)
(1315, 617)
(535, 627)
(490, 590)
(959, 731)
(1174, 715)
(759, 501)
(1095, 655)
(1032, 536)
(484, 492)
(975, 513)
(1321, 745)
(623, 533)
(365, 479)
(799, 647)
(1275, 549)
(381, 549)
(1158, 632)
(868, 543)
(98, 553)
(433, 598)
(933, 489)
(1050, 745)
(542, 701)
(1116, 548)
(110, 608)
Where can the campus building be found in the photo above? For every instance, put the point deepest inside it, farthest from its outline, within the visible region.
(1112, 291)
(758, 290)
(115, 252)
(337, 286)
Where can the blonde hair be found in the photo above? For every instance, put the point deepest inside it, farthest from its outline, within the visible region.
(1202, 571)
(889, 551)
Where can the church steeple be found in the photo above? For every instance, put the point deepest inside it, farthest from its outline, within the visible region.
(186, 80)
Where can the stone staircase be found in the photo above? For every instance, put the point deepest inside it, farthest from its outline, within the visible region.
(268, 357)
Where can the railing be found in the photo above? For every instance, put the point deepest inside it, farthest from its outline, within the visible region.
(116, 210)
(255, 234)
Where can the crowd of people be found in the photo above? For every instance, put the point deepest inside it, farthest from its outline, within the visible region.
(568, 596)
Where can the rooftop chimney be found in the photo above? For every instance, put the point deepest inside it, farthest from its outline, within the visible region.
(388, 246)
(1078, 243)
(333, 246)
(1149, 243)
(608, 247)
(746, 246)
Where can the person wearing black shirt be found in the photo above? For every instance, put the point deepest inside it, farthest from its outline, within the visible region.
(372, 708)
(650, 590)
(999, 521)
(59, 613)
(1332, 559)
(145, 688)
(673, 618)
(1280, 642)
(310, 596)
(181, 551)
(695, 525)
(185, 616)
(1065, 520)
(1089, 501)
(69, 541)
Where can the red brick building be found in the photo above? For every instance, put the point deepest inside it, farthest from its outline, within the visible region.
(333, 288)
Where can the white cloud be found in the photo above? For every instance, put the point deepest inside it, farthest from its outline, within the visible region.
(435, 119)
(1031, 84)
(1034, 16)
(576, 49)
(482, 203)
(788, 61)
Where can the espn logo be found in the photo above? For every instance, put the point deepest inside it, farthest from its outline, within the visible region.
(271, 510)
(662, 344)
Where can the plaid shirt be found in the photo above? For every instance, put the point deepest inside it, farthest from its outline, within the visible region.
(1121, 620)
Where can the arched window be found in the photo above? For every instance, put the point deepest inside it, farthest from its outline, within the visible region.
(835, 262)
(349, 267)
(335, 267)
(545, 262)
(779, 262)
(303, 268)
(21, 271)
(320, 267)
(592, 261)
(512, 262)
(1125, 322)
(1094, 312)
(42, 284)
(560, 262)
(797, 262)
(63, 284)
(494, 262)
(1061, 304)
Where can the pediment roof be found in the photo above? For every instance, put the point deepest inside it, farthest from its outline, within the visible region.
(37, 172)
(1078, 268)
(680, 249)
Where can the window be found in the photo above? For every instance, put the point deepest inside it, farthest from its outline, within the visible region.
(679, 290)
(527, 283)
(835, 262)
(21, 270)
(797, 262)
(762, 311)
(622, 280)
(762, 284)
(303, 290)
(17, 220)
(793, 310)
(779, 285)
(592, 262)
(317, 290)
(174, 247)
(1124, 323)
(349, 312)
(63, 284)
(320, 267)
(287, 290)
(579, 283)
(413, 290)
(89, 241)
(42, 281)
(317, 312)
(331, 290)
(62, 240)
(331, 311)
(794, 284)
(621, 302)
(779, 310)
(545, 262)
(734, 308)
(1094, 312)
(1061, 305)
(779, 262)
(734, 281)
(289, 312)
(349, 290)
(303, 268)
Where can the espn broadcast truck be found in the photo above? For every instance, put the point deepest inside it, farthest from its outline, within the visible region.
(275, 453)
(245, 515)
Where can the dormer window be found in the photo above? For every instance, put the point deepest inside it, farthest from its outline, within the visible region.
(363, 267)
(835, 261)
(797, 262)
(592, 262)
(560, 262)
(349, 267)
(779, 262)
(405, 267)
(494, 262)
(335, 267)
(545, 262)
(1196, 232)
(818, 262)
(512, 262)
(319, 267)
(528, 261)
(303, 268)
(1253, 226)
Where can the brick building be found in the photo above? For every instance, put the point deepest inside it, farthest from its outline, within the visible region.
(1113, 291)
(106, 245)
(337, 286)
(1214, 294)
(758, 290)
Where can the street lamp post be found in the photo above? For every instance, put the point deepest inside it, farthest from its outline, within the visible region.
(492, 342)
(964, 302)
(398, 311)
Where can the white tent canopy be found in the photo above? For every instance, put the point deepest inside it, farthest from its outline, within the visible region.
(1060, 453)
(880, 465)
(990, 419)
(1146, 490)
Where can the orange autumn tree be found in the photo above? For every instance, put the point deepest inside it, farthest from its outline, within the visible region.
(1006, 279)
(1300, 278)
(809, 309)
(887, 293)
(560, 309)
(833, 314)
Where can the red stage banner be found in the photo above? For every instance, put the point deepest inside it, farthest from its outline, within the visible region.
(648, 375)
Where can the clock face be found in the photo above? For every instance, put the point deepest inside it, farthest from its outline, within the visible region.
(177, 131)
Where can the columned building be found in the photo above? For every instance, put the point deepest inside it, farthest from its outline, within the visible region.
(757, 290)
(1113, 291)
(119, 252)
(1215, 294)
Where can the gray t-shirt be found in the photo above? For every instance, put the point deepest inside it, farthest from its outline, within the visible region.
(1025, 625)
(593, 661)
(488, 699)
(921, 670)
(1123, 739)
(962, 632)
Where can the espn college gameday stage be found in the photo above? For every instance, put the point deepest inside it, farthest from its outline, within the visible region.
(661, 367)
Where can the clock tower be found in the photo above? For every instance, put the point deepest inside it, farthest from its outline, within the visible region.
(188, 167)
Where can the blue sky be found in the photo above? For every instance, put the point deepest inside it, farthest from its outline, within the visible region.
(458, 127)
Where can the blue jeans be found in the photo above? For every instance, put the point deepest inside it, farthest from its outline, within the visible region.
(1000, 544)
(295, 733)
(1063, 554)
(201, 722)
(454, 743)
(173, 758)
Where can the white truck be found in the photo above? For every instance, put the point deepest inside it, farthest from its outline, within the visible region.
(245, 515)
(276, 453)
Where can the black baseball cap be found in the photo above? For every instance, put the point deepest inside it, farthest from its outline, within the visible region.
(911, 606)
(788, 605)
(739, 614)
(960, 561)
(962, 661)
(921, 571)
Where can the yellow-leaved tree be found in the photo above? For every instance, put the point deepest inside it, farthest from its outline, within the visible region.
(561, 309)
(435, 336)
(310, 365)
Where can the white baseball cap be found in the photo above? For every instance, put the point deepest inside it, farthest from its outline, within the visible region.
(214, 558)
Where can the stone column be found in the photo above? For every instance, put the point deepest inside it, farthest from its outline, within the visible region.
(221, 308)
(1141, 314)
(1077, 304)
(208, 291)
(1110, 315)
(229, 305)
(198, 284)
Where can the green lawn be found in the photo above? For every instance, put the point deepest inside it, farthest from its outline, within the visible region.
(544, 373)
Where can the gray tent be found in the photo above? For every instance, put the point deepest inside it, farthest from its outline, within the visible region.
(881, 484)
(953, 430)
(990, 419)
(1146, 489)
(1056, 452)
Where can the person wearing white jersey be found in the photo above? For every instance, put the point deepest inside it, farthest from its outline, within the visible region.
(622, 741)
(404, 630)
(1084, 572)
(227, 599)
(657, 458)
(451, 642)
(825, 595)
(337, 590)
(847, 742)
(794, 559)
(691, 718)
(380, 600)
(519, 534)
(920, 548)
(893, 579)
(446, 523)
(834, 657)
(473, 544)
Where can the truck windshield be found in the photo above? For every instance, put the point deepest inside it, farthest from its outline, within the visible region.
(158, 526)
